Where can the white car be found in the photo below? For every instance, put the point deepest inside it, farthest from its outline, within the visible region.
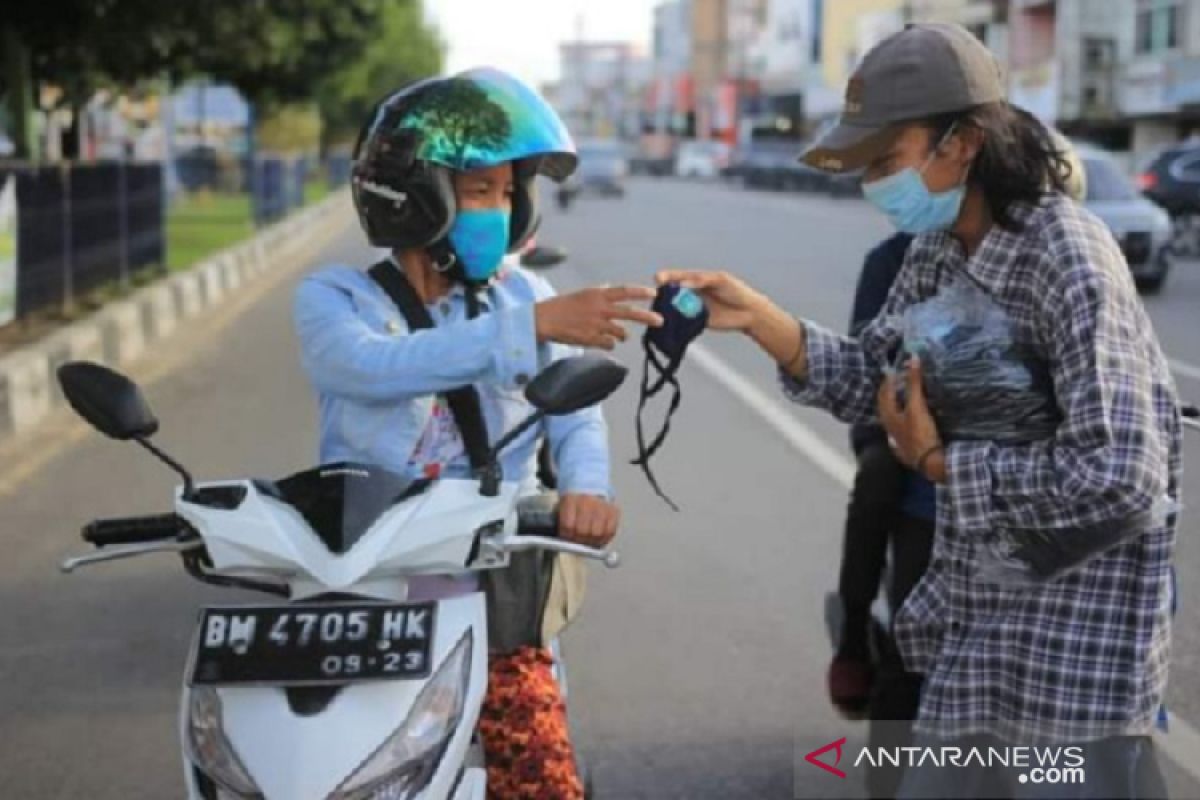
(702, 159)
(1142, 228)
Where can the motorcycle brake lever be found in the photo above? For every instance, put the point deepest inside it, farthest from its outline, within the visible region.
(515, 544)
(117, 552)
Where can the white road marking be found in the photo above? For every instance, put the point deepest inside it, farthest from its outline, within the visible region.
(1185, 369)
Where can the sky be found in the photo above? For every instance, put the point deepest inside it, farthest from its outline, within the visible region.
(522, 36)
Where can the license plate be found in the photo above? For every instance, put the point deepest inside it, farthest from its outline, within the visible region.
(306, 645)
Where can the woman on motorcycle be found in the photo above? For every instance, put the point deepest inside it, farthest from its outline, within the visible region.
(1081, 660)
(444, 178)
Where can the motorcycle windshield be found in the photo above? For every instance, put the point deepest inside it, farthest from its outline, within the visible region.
(342, 501)
(481, 118)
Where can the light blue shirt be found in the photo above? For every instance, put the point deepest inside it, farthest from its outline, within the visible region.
(376, 381)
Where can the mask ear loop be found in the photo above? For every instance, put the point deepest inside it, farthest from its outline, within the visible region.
(666, 375)
(933, 154)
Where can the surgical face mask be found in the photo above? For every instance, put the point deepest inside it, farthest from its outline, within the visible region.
(480, 238)
(909, 204)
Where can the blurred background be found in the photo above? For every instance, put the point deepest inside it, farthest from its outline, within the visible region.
(144, 135)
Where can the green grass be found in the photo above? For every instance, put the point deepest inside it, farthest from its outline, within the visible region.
(315, 191)
(198, 225)
(201, 224)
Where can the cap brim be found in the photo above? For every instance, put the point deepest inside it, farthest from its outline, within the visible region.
(849, 148)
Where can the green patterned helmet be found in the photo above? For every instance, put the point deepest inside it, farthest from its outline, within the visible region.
(417, 137)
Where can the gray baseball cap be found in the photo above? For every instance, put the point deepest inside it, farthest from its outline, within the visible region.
(921, 71)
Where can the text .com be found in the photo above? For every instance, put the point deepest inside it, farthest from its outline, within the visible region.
(1035, 765)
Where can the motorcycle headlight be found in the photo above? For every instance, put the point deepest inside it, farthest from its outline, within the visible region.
(210, 749)
(406, 761)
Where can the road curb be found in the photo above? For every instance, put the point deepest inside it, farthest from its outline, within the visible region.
(122, 331)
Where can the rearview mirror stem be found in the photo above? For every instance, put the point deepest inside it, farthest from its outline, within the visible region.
(189, 485)
(491, 475)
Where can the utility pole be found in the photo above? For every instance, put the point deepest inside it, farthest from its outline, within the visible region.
(18, 76)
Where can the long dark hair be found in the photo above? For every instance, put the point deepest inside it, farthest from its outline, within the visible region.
(1019, 161)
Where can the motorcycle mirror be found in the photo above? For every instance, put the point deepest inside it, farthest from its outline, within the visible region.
(109, 401)
(571, 384)
(541, 257)
(564, 387)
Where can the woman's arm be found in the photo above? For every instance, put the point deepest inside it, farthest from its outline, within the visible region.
(345, 356)
(818, 367)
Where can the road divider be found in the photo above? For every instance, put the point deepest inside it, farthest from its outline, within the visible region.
(123, 331)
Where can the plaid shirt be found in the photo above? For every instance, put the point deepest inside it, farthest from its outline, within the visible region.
(1085, 656)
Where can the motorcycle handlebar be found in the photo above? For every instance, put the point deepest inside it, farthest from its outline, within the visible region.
(537, 528)
(538, 515)
(133, 530)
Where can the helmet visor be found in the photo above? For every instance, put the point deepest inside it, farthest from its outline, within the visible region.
(481, 118)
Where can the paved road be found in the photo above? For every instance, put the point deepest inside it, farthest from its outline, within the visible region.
(697, 669)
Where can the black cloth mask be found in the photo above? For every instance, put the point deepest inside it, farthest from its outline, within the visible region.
(684, 318)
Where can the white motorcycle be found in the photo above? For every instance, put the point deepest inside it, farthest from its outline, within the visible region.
(346, 690)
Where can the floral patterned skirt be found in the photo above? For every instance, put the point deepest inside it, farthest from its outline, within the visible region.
(523, 727)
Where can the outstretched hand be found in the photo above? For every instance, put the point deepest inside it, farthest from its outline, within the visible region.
(592, 317)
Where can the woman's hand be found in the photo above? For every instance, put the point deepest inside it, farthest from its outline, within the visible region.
(912, 430)
(587, 519)
(732, 304)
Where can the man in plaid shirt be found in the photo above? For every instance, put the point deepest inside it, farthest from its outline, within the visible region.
(1081, 660)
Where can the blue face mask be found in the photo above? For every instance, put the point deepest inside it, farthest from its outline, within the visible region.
(480, 239)
(910, 205)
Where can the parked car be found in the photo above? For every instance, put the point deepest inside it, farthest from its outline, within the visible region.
(702, 158)
(1142, 228)
(845, 185)
(767, 164)
(655, 155)
(1172, 178)
(603, 168)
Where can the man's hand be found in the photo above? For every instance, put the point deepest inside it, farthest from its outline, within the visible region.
(589, 318)
(587, 519)
(912, 430)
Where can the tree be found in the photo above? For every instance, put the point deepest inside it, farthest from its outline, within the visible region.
(292, 128)
(279, 51)
(273, 51)
(403, 48)
(81, 45)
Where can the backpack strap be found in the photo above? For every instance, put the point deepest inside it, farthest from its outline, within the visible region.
(463, 401)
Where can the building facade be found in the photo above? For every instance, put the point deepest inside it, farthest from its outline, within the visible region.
(600, 88)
